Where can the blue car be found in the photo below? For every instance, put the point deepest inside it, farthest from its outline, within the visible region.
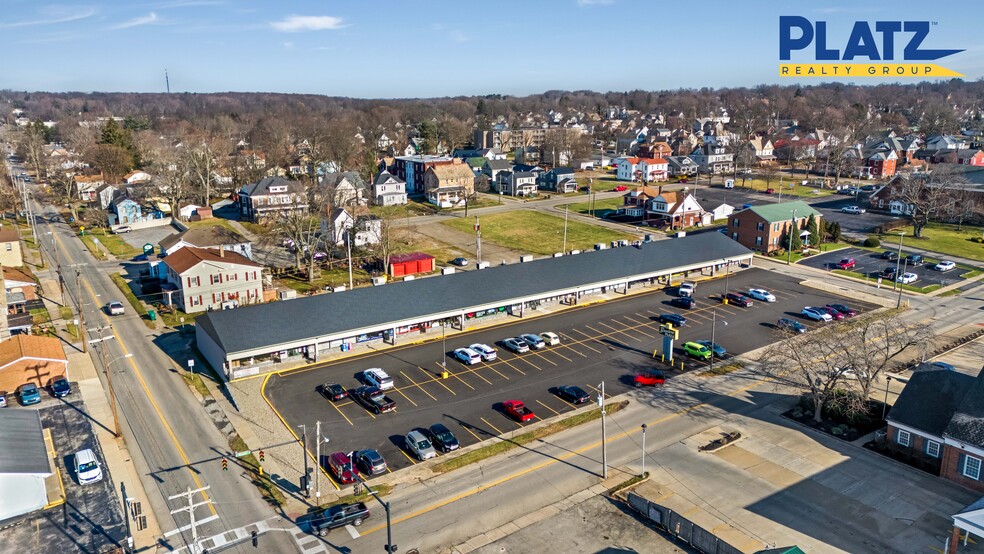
(29, 394)
(675, 319)
(719, 351)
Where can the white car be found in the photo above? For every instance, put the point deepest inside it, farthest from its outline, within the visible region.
(115, 308)
(551, 339)
(852, 210)
(761, 294)
(816, 314)
(849, 372)
(87, 467)
(907, 278)
(467, 356)
(485, 351)
(378, 378)
(944, 266)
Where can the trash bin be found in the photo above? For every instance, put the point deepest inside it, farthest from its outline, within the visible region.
(152, 315)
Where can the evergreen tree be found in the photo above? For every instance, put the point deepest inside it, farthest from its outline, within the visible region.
(814, 230)
(116, 135)
(795, 241)
(835, 232)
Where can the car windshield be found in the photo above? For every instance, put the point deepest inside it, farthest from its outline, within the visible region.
(88, 466)
(424, 444)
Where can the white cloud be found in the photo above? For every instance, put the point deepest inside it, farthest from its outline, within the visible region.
(458, 36)
(137, 21)
(55, 14)
(595, 2)
(298, 23)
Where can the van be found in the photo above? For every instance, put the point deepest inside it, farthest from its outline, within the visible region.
(378, 378)
(87, 467)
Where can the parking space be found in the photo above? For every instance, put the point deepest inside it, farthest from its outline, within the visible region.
(153, 235)
(607, 342)
(91, 519)
(853, 224)
(872, 264)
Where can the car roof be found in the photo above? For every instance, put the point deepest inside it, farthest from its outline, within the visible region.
(340, 457)
(416, 435)
(439, 427)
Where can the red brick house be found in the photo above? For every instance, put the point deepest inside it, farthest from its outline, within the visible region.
(764, 227)
(938, 423)
(675, 210)
(970, 157)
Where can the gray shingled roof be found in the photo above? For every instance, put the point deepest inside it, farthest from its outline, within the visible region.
(263, 186)
(929, 400)
(967, 424)
(264, 325)
(23, 450)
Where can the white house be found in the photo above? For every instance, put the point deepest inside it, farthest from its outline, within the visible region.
(137, 177)
(718, 213)
(653, 169)
(200, 279)
(517, 183)
(626, 169)
(355, 223)
(389, 190)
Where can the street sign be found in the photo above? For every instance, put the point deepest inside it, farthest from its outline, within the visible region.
(191, 364)
(244, 453)
(148, 248)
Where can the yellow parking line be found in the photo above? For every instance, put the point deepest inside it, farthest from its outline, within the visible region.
(337, 409)
(564, 344)
(455, 375)
(407, 456)
(638, 324)
(548, 407)
(492, 426)
(544, 358)
(555, 352)
(474, 371)
(486, 364)
(614, 330)
(512, 366)
(435, 380)
(472, 433)
(418, 385)
(582, 342)
(405, 396)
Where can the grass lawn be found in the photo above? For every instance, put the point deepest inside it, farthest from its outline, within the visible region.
(538, 233)
(945, 239)
(114, 243)
(601, 207)
(215, 221)
(173, 318)
(338, 276)
(95, 250)
(412, 208)
(791, 189)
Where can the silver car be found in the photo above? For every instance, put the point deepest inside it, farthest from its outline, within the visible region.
(420, 446)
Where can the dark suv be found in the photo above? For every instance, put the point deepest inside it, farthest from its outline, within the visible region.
(890, 255)
(338, 516)
(738, 299)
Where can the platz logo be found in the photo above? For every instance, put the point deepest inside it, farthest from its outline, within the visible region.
(883, 41)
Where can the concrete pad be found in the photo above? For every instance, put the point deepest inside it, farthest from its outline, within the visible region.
(478, 542)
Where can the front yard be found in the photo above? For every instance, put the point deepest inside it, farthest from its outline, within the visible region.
(945, 239)
(602, 207)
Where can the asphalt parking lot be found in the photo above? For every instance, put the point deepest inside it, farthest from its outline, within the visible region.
(871, 264)
(91, 519)
(852, 224)
(152, 235)
(607, 342)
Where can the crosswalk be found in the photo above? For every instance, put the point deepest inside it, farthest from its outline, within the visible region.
(306, 542)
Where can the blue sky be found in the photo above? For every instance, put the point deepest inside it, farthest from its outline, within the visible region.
(396, 48)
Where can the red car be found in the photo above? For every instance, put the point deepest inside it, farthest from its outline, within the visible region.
(770, 191)
(518, 411)
(846, 263)
(654, 378)
(620, 188)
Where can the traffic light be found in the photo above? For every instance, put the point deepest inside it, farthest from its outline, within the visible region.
(262, 457)
(225, 464)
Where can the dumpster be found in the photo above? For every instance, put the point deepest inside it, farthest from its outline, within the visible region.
(152, 315)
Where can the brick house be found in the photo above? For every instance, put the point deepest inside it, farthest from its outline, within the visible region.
(30, 359)
(200, 279)
(764, 227)
(675, 210)
(938, 422)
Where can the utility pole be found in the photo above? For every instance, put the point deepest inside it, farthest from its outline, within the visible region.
(348, 244)
(644, 427)
(566, 211)
(478, 241)
(898, 262)
(189, 495)
(78, 305)
(604, 435)
(109, 377)
(390, 547)
(307, 472)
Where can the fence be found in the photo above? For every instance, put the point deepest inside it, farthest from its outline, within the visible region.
(681, 527)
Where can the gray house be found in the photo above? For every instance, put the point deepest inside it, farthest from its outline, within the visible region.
(214, 237)
(270, 197)
(681, 166)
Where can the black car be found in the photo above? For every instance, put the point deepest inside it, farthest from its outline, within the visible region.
(442, 438)
(573, 394)
(685, 302)
(890, 255)
(889, 272)
(914, 258)
(738, 299)
(60, 387)
(675, 319)
(333, 391)
(370, 462)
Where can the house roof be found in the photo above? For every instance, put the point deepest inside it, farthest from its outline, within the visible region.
(653, 161)
(386, 177)
(523, 174)
(189, 256)
(412, 256)
(9, 234)
(23, 429)
(776, 212)
(30, 346)
(263, 186)
(680, 160)
(20, 275)
(967, 423)
(214, 235)
(929, 400)
(248, 327)
(353, 178)
(452, 171)
(498, 164)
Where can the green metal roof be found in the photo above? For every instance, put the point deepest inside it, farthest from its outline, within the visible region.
(774, 213)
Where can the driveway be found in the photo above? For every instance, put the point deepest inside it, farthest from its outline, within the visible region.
(856, 225)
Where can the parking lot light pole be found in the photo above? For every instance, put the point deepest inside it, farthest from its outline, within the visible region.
(714, 316)
(643, 449)
(898, 262)
(604, 442)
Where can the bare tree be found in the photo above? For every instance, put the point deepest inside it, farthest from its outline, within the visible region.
(171, 176)
(926, 196)
(114, 161)
(31, 147)
(201, 157)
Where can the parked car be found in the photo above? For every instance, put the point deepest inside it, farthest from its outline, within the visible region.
(889, 272)
(698, 351)
(852, 210)
(761, 294)
(373, 399)
(419, 446)
(848, 372)
(890, 255)
(573, 394)
(738, 299)
(341, 515)
(846, 311)
(620, 188)
(87, 467)
(651, 378)
(518, 346)
(341, 466)
(3, 400)
(518, 411)
(115, 308)
(685, 302)
(846, 263)
(790, 325)
(944, 265)
(333, 391)
(674, 319)
(770, 190)
(834, 314)
(533, 341)
(442, 438)
(122, 229)
(485, 351)
(550, 338)
(460, 262)
(686, 288)
(467, 356)
(816, 314)
(378, 378)
(714, 347)
(29, 394)
(907, 278)
(370, 462)
(60, 387)
(914, 259)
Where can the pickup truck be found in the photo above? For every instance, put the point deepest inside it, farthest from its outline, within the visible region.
(518, 411)
(338, 516)
(374, 399)
(687, 288)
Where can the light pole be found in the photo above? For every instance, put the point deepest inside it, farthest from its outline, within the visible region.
(109, 377)
(604, 442)
(644, 449)
(307, 473)
(792, 229)
(566, 210)
(898, 277)
(885, 404)
(898, 262)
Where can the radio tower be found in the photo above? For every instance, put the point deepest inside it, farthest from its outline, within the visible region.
(167, 82)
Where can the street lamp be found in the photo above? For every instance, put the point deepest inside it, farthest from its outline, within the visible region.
(714, 316)
(898, 262)
(644, 449)
(792, 229)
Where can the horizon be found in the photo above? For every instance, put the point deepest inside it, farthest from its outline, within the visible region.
(348, 51)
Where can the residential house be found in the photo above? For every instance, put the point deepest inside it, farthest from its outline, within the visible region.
(137, 177)
(551, 179)
(681, 166)
(626, 169)
(353, 223)
(675, 210)
(186, 211)
(84, 186)
(566, 185)
(20, 288)
(653, 170)
(492, 168)
(412, 169)
(717, 214)
(970, 156)
(10, 248)
(947, 142)
(31, 359)
(125, 211)
(270, 197)
(938, 420)
(713, 158)
(389, 190)
(215, 237)
(517, 183)
(24, 470)
(449, 184)
(105, 195)
(873, 163)
(253, 159)
(763, 150)
(658, 149)
(347, 188)
(529, 155)
(200, 279)
(636, 201)
(765, 227)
